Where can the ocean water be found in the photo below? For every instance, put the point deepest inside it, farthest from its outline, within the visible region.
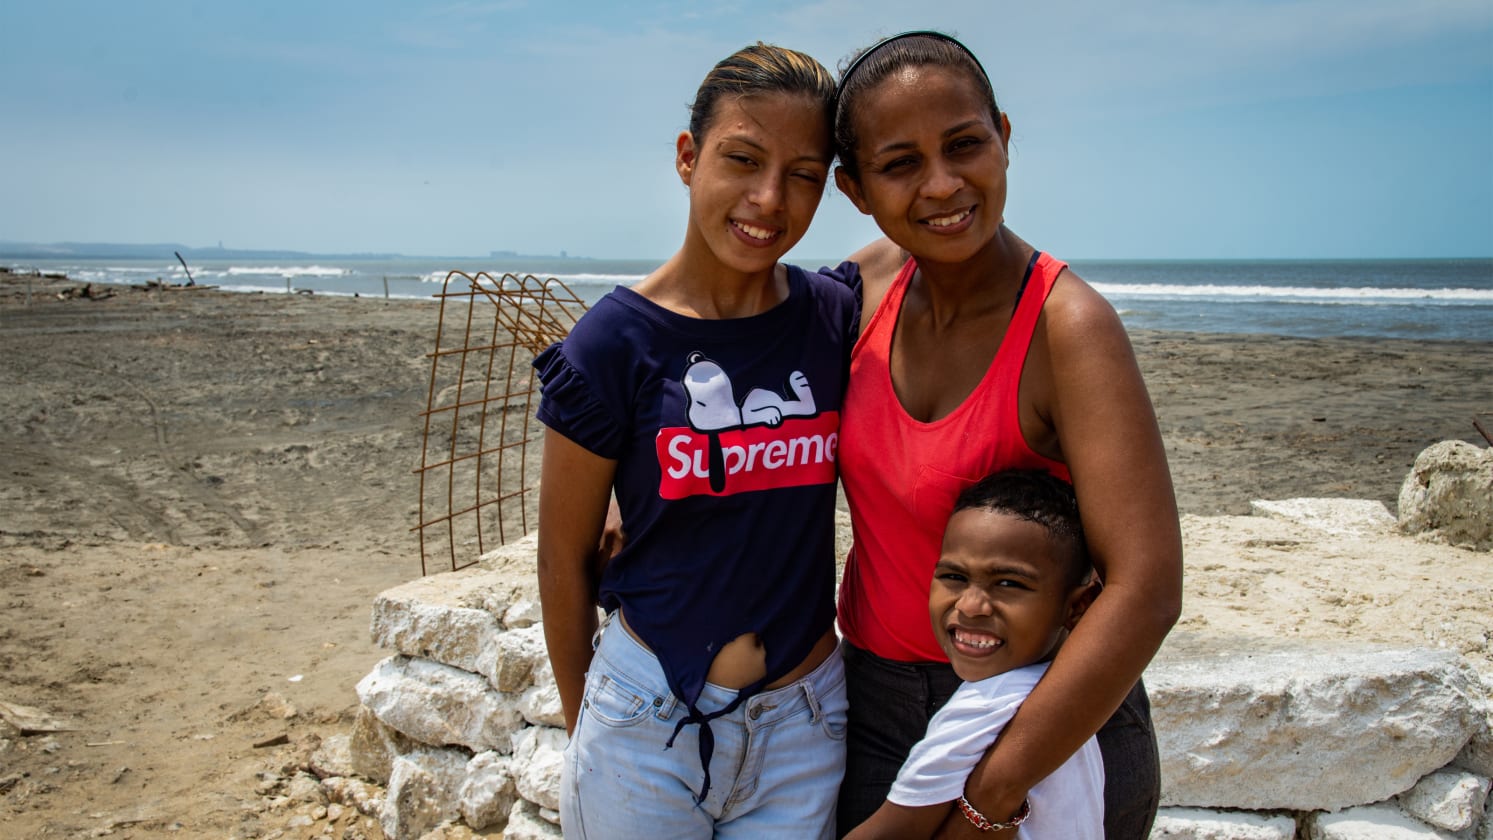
(1444, 299)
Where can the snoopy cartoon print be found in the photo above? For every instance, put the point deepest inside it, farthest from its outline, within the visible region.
(713, 407)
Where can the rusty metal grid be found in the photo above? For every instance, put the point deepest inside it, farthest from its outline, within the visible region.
(479, 459)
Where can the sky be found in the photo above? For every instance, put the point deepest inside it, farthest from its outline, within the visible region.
(1152, 129)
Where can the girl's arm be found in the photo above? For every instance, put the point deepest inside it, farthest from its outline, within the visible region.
(1107, 434)
(575, 487)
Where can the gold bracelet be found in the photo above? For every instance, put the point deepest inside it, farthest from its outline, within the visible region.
(980, 821)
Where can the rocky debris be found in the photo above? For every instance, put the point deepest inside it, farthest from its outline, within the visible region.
(423, 792)
(25, 720)
(527, 823)
(441, 618)
(274, 704)
(1448, 495)
(1308, 727)
(1201, 824)
(439, 705)
(1477, 756)
(85, 292)
(487, 792)
(1340, 517)
(538, 756)
(1371, 822)
(333, 757)
(540, 702)
(374, 746)
(1449, 800)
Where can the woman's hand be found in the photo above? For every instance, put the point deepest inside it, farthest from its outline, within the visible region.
(612, 539)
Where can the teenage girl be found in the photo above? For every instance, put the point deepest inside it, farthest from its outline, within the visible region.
(978, 353)
(711, 701)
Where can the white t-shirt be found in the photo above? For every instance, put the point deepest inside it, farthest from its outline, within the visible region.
(1068, 805)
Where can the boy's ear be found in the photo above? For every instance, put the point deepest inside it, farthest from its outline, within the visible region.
(1080, 599)
(851, 188)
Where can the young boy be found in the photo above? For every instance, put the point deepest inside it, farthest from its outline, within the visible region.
(1013, 577)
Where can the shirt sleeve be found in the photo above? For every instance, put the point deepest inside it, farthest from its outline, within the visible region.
(570, 406)
(957, 737)
(848, 274)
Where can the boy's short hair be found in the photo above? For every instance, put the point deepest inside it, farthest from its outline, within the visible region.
(1036, 496)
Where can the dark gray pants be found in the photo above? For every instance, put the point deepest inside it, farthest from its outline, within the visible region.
(892, 702)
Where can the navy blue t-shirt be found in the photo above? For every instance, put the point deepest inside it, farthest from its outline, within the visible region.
(725, 434)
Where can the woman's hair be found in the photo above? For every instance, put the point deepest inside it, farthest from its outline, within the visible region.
(760, 69)
(867, 68)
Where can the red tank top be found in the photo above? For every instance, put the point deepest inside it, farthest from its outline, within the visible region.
(901, 475)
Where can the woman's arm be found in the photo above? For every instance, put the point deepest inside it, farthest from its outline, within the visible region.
(575, 487)
(1096, 403)
(879, 263)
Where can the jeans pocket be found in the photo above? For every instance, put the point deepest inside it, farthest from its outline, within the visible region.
(612, 702)
(834, 714)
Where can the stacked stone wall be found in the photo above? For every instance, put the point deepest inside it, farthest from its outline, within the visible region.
(461, 728)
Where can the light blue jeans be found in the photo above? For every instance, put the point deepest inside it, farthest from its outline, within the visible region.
(776, 770)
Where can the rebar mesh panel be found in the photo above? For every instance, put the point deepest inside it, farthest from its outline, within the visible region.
(479, 462)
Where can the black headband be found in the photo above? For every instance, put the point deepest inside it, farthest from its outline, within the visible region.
(916, 33)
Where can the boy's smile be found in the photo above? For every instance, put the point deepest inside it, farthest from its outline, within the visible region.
(1000, 597)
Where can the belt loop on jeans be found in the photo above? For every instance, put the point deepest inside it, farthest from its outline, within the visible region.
(596, 637)
(813, 699)
(664, 706)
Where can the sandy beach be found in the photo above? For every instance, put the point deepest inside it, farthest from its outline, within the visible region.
(203, 492)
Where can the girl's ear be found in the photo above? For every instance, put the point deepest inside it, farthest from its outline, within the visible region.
(1005, 130)
(852, 189)
(685, 156)
(1079, 601)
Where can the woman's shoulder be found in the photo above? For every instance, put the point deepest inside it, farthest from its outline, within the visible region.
(877, 265)
(1074, 308)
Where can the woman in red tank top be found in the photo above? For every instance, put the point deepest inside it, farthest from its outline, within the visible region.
(977, 352)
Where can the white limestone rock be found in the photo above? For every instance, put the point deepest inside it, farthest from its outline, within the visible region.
(1341, 517)
(1447, 799)
(1305, 727)
(1449, 495)
(1371, 822)
(518, 561)
(523, 613)
(488, 792)
(422, 792)
(439, 705)
(357, 794)
(442, 618)
(451, 831)
(525, 823)
(333, 757)
(374, 746)
(538, 757)
(540, 702)
(305, 788)
(1477, 756)
(1200, 824)
(517, 654)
